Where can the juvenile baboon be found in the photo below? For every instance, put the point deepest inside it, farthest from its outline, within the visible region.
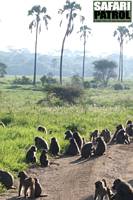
(118, 127)
(100, 147)
(122, 137)
(106, 135)
(129, 122)
(40, 143)
(42, 129)
(78, 139)
(27, 183)
(73, 148)
(101, 190)
(87, 150)
(7, 179)
(31, 155)
(54, 147)
(38, 188)
(124, 191)
(44, 158)
(68, 134)
(2, 124)
(94, 135)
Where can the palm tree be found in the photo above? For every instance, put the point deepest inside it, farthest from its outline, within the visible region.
(84, 31)
(122, 34)
(39, 14)
(70, 8)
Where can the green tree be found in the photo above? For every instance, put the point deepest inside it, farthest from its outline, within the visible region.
(84, 33)
(70, 8)
(2, 70)
(104, 70)
(122, 34)
(38, 14)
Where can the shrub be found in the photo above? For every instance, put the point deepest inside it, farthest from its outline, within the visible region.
(76, 127)
(7, 119)
(22, 81)
(118, 86)
(76, 81)
(47, 80)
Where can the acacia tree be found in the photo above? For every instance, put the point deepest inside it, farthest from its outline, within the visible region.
(2, 69)
(84, 32)
(70, 8)
(104, 70)
(39, 14)
(122, 34)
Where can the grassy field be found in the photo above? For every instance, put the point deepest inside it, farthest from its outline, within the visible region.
(99, 109)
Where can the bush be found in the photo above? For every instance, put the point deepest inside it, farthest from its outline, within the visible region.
(76, 127)
(67, 94)
(48, 80)
(7, 119)
(22, 81)
(76, 81)
(118, 86)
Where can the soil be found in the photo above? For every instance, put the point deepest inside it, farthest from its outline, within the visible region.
(73, 178)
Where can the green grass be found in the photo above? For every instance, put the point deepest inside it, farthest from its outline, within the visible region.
(99, 109)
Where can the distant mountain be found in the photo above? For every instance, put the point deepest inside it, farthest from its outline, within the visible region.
(21, 62)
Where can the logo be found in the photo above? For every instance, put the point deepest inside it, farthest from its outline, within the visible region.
(112, 11)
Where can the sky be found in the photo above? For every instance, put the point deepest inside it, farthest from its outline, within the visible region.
(14, 31)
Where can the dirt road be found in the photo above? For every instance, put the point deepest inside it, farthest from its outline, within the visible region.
(74, 179)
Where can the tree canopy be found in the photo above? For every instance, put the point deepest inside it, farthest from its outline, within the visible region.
(2, 69)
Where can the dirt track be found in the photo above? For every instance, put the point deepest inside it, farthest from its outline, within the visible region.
(74, 179)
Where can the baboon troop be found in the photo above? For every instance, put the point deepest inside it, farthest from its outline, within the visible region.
(101, 147)
(42, 129)
(44, 158)
(73, 148)
(31, 155)
(87, 150)
(54, 148)
(7, 179)
(40, 143)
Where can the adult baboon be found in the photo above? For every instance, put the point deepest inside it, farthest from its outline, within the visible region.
(129, 130)
(78, 139)
(118, 127)
(101, 190)
(73, 148)
(38, 188)
(31, 155)
(100, 147)
(42, 129)
(40, 143)
(124, 191)
(54, 148)
(87, 150)
(27, 183)
(44, 158)
(106, 135)
(122, 137)
(68, 134)
(94, 135)
(7, 179)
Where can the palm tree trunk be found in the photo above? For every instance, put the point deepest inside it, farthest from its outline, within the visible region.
(119, 73)
(122, 62)
(83, 72)
(61, 57)
(35, 58)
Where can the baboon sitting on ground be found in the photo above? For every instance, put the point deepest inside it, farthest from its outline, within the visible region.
(68, 134)
(27, 183)
(54, 147)
(101, 147)
(44, 158)
(129, 130)
(101, 190)
(118, 127)
(94, 135)
(7, 179)
(31, 155)
(40, 143)
(78, 139)
(122, 137)
(124, 191)
(73, 148)
(42, 129)
(106, 135)
(87, 150)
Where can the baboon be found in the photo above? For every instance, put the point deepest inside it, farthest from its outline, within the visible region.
(87, 150)
(54, 147)
(118, 127)
(124, 191)
(2, 124)
(26, 183)
(122, 137)
(40, 143)
(38, 188)
(101, 190)
(44, 158)
(129, 130)
(31, 155)
(42, 129)
(78, 139)
(68, 134)
(73, 148)
(94, 135)
(84, 142)
(7, 179)
(106, 135)
(100, 147)
(129, 122)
